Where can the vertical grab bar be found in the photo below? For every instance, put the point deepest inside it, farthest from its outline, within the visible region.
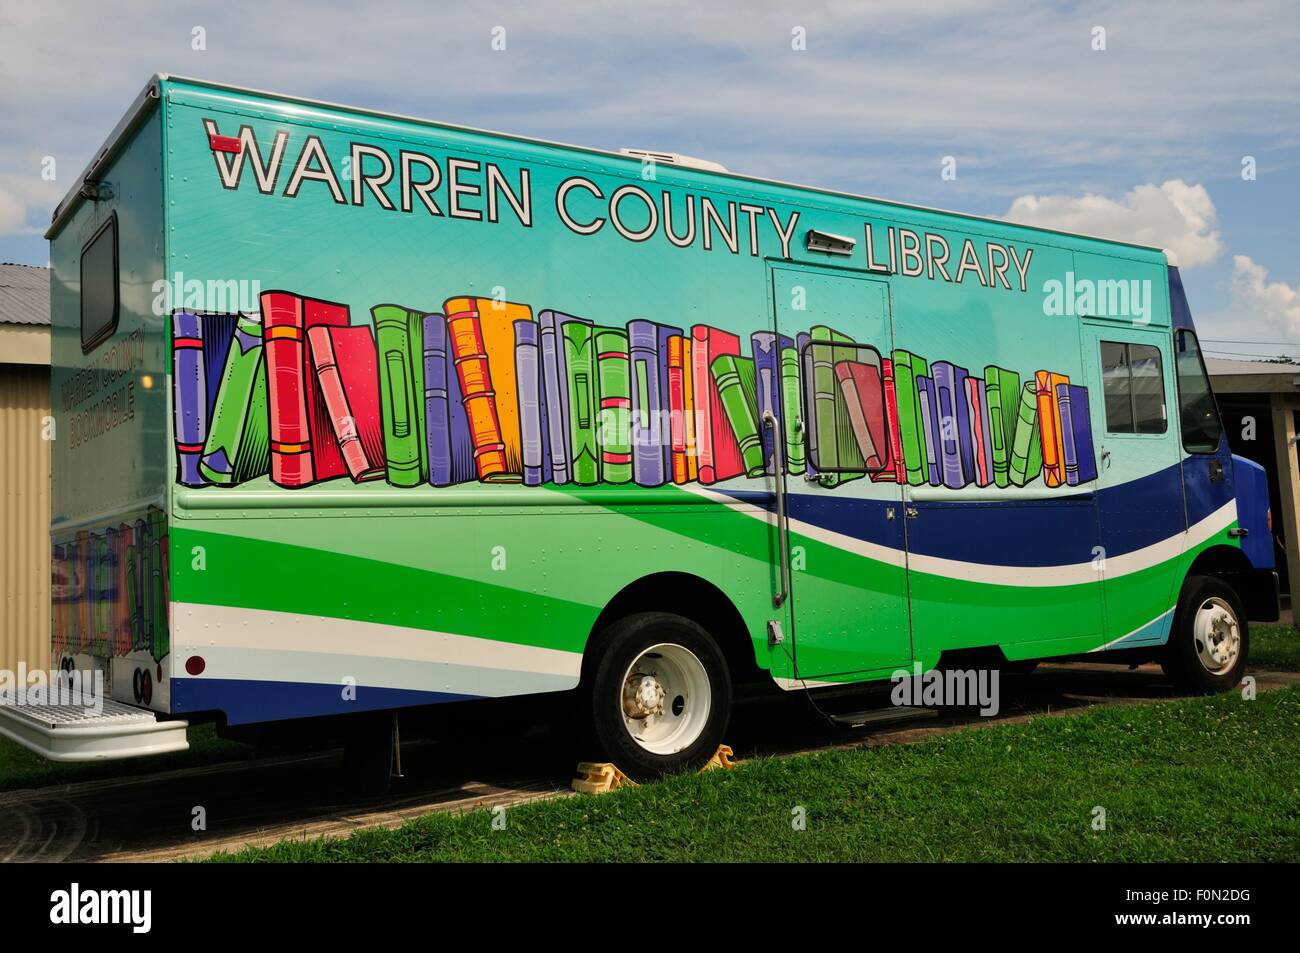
(782, 525)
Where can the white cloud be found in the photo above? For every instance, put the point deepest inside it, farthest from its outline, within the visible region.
(24, 198)
(1255, 297)
(1173, 215)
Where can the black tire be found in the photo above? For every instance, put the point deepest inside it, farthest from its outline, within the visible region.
(146, 687)
(622, 644)
(136, 691)
(1181, 660)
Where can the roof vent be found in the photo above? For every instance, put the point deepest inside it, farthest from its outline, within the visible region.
(674, 158)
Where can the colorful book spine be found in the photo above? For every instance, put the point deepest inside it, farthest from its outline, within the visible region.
(238, 448)
(864, 406)
(1003, 392)
(665, 333)
(768, 349)
(735, 379)
(438, 370)
(690, 416)
(836, 448)
(528, 380)
(614, 437)
(908, 369)
(649, 467)
(896, 472)
(929, 416)
(303, 448)
(1076, 434)
(949, 398)
(677, 408)
(345, 364)
(199, 346)
(555, 382)
(1026, 446)
(400, 349)
(477, 385)
(719, 452)
(1049, 423)
(792, 408)
(976, 398)
(580, 364)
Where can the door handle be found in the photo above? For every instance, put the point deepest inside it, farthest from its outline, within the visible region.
(782, 524)
(910, 512)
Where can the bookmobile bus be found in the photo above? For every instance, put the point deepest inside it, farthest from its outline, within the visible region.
(358, 413)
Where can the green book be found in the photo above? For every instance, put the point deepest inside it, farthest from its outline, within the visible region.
(1026, 444)
(614, 389)
(238, 446)
(791, 398)
(1003, 389)
(580, 364)
(399, 341)
(911, 430)
(832, 429)
(735, 378)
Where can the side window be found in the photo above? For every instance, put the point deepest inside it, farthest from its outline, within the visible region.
(1132, 378)
(847, 429)
(100, 298)
(1197, 411)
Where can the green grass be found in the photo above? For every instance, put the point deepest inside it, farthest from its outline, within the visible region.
(1276, 647)
(20, 768)
(1206, 779)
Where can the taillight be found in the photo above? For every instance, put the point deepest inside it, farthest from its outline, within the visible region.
(1270, 519)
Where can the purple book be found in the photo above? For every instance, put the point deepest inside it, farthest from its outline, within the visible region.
(647, 441)
(527, 376)
(555, 389)
(1076, 434)
(950, 415)
(665, 332)
(437, 400)
(925, 390)
(767, 381)
(199, 346)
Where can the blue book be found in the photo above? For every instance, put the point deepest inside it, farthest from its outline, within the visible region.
(555, 376)
(1076, 434)
(648, 438)
(528, 381)
(925, 390)
(437, 400)
(767, 382)
(965, 447)
(946, 401)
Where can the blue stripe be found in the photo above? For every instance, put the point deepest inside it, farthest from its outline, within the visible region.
(248, 702)
(1029, 533)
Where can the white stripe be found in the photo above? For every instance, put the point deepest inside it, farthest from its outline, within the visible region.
(264, 645)
(995, 574)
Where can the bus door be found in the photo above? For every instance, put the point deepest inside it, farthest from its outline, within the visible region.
(1139, 478)
(841, 536)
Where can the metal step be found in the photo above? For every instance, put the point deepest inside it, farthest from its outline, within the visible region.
(884, 716)
(75, 733)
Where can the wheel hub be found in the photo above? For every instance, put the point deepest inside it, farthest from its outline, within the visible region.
(643, 696)
(1218, 636)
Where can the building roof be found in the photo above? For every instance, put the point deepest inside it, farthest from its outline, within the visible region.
(1253, 377)
(1220, 366)
(24, 294)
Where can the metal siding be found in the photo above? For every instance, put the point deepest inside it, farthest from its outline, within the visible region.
(24, 518)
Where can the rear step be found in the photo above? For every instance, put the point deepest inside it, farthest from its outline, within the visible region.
(72, 733)
(881, 716)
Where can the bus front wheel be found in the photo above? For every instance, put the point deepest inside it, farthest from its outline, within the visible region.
(1210, 640)
(660, 695)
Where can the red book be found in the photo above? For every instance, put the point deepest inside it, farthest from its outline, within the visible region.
(716, 444)
(899, 474)
(303, 447)
(345, 363)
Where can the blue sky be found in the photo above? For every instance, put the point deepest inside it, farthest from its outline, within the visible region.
(1143, 140)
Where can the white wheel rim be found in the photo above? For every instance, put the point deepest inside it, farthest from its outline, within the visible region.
(1217, 635)
(666, 699)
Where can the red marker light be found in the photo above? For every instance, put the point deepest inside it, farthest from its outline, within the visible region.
(195, 665)
(224, 144)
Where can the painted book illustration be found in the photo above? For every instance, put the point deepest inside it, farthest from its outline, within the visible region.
(481, 392)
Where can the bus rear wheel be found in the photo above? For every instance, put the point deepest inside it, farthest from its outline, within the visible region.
(660, 695)
(1210, 640)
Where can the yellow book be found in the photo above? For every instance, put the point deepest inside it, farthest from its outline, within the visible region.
(494, 322)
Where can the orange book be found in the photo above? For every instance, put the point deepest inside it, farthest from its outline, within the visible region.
(677, 408)
(482, 332)
(1049, 425)
(688, 413)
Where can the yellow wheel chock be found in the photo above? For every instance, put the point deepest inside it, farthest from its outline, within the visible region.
(598, 777)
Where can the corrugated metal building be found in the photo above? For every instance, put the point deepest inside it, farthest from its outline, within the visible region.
(24, 466)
